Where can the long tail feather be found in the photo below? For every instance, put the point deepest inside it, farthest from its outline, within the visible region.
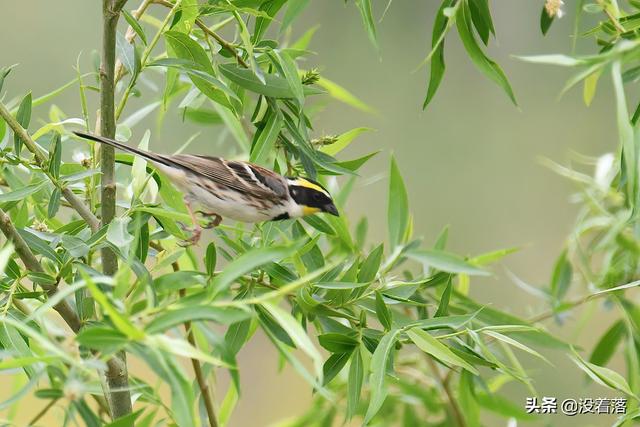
(112, 142)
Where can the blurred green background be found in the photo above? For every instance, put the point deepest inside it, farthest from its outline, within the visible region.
(471, 160)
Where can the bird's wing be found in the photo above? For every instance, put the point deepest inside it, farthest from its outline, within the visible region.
(240, 176)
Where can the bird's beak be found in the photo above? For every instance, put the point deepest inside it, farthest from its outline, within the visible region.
(331, 209)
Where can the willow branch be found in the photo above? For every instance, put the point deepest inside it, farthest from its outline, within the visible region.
(197, 368)
(221, 41)
(41, 160)
(200, 377)
(43, 411)
(614, 21)
(116, 376)
(144, 58)
(131, 35)
(444, 382)
(31, 263)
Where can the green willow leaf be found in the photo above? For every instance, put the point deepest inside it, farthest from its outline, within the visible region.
(274, 86)
(488, 67)
(343, 95)
(75, 246)
(481, 18)
(561, 278)
(55, 156)
(4, 72)
(135, 25)
(297, 334)
(211, 258)
(126, 420)
(430, 345)
(248, 47)
(446, 261)
(369, 268)
(203, 75)
(15, 343)
(501, 406)
(339, 285)
(121, 322)
(248, 262)
(333, 366)
(443, 307)
(319, 224)
(625, 134)
(23, 116)
(294, 7)
(271, 8)
(516, 344)
(101, 338)
(603, 376)
(40, 246)
(22, 193)
(378, 369)
(467, 400)
(337, 343)
(3, 128)
(273, 328)
(440, 26)
(606, 346)
(119, 235)
(364, 6)
(445, 322)
(172, 317)
(265, 139)
(382, 312)
(291, 75)
(397, 206)
(343, 141)
(354, 386)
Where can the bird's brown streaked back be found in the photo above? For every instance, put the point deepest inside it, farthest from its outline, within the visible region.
(231, 174)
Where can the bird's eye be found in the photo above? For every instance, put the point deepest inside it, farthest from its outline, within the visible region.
(317, 197)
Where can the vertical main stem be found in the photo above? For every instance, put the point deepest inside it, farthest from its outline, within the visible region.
(117, 376)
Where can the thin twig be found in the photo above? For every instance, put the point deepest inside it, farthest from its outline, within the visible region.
(444, 382)
(41, 160)
(612, 18)
(42, 412)
(144, 58)
(197, 368)
(200, 377)
(568, 306)
(221, 41)
(31, 263)
(131, 35)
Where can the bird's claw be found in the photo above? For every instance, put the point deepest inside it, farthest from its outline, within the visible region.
(193, 239)
(212, 223)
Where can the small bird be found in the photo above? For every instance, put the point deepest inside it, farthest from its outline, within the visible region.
(233, 189)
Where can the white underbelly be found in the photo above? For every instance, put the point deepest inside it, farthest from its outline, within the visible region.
(233, 206)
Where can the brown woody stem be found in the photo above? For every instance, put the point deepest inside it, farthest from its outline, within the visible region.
(116, 376)
(197, 368)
